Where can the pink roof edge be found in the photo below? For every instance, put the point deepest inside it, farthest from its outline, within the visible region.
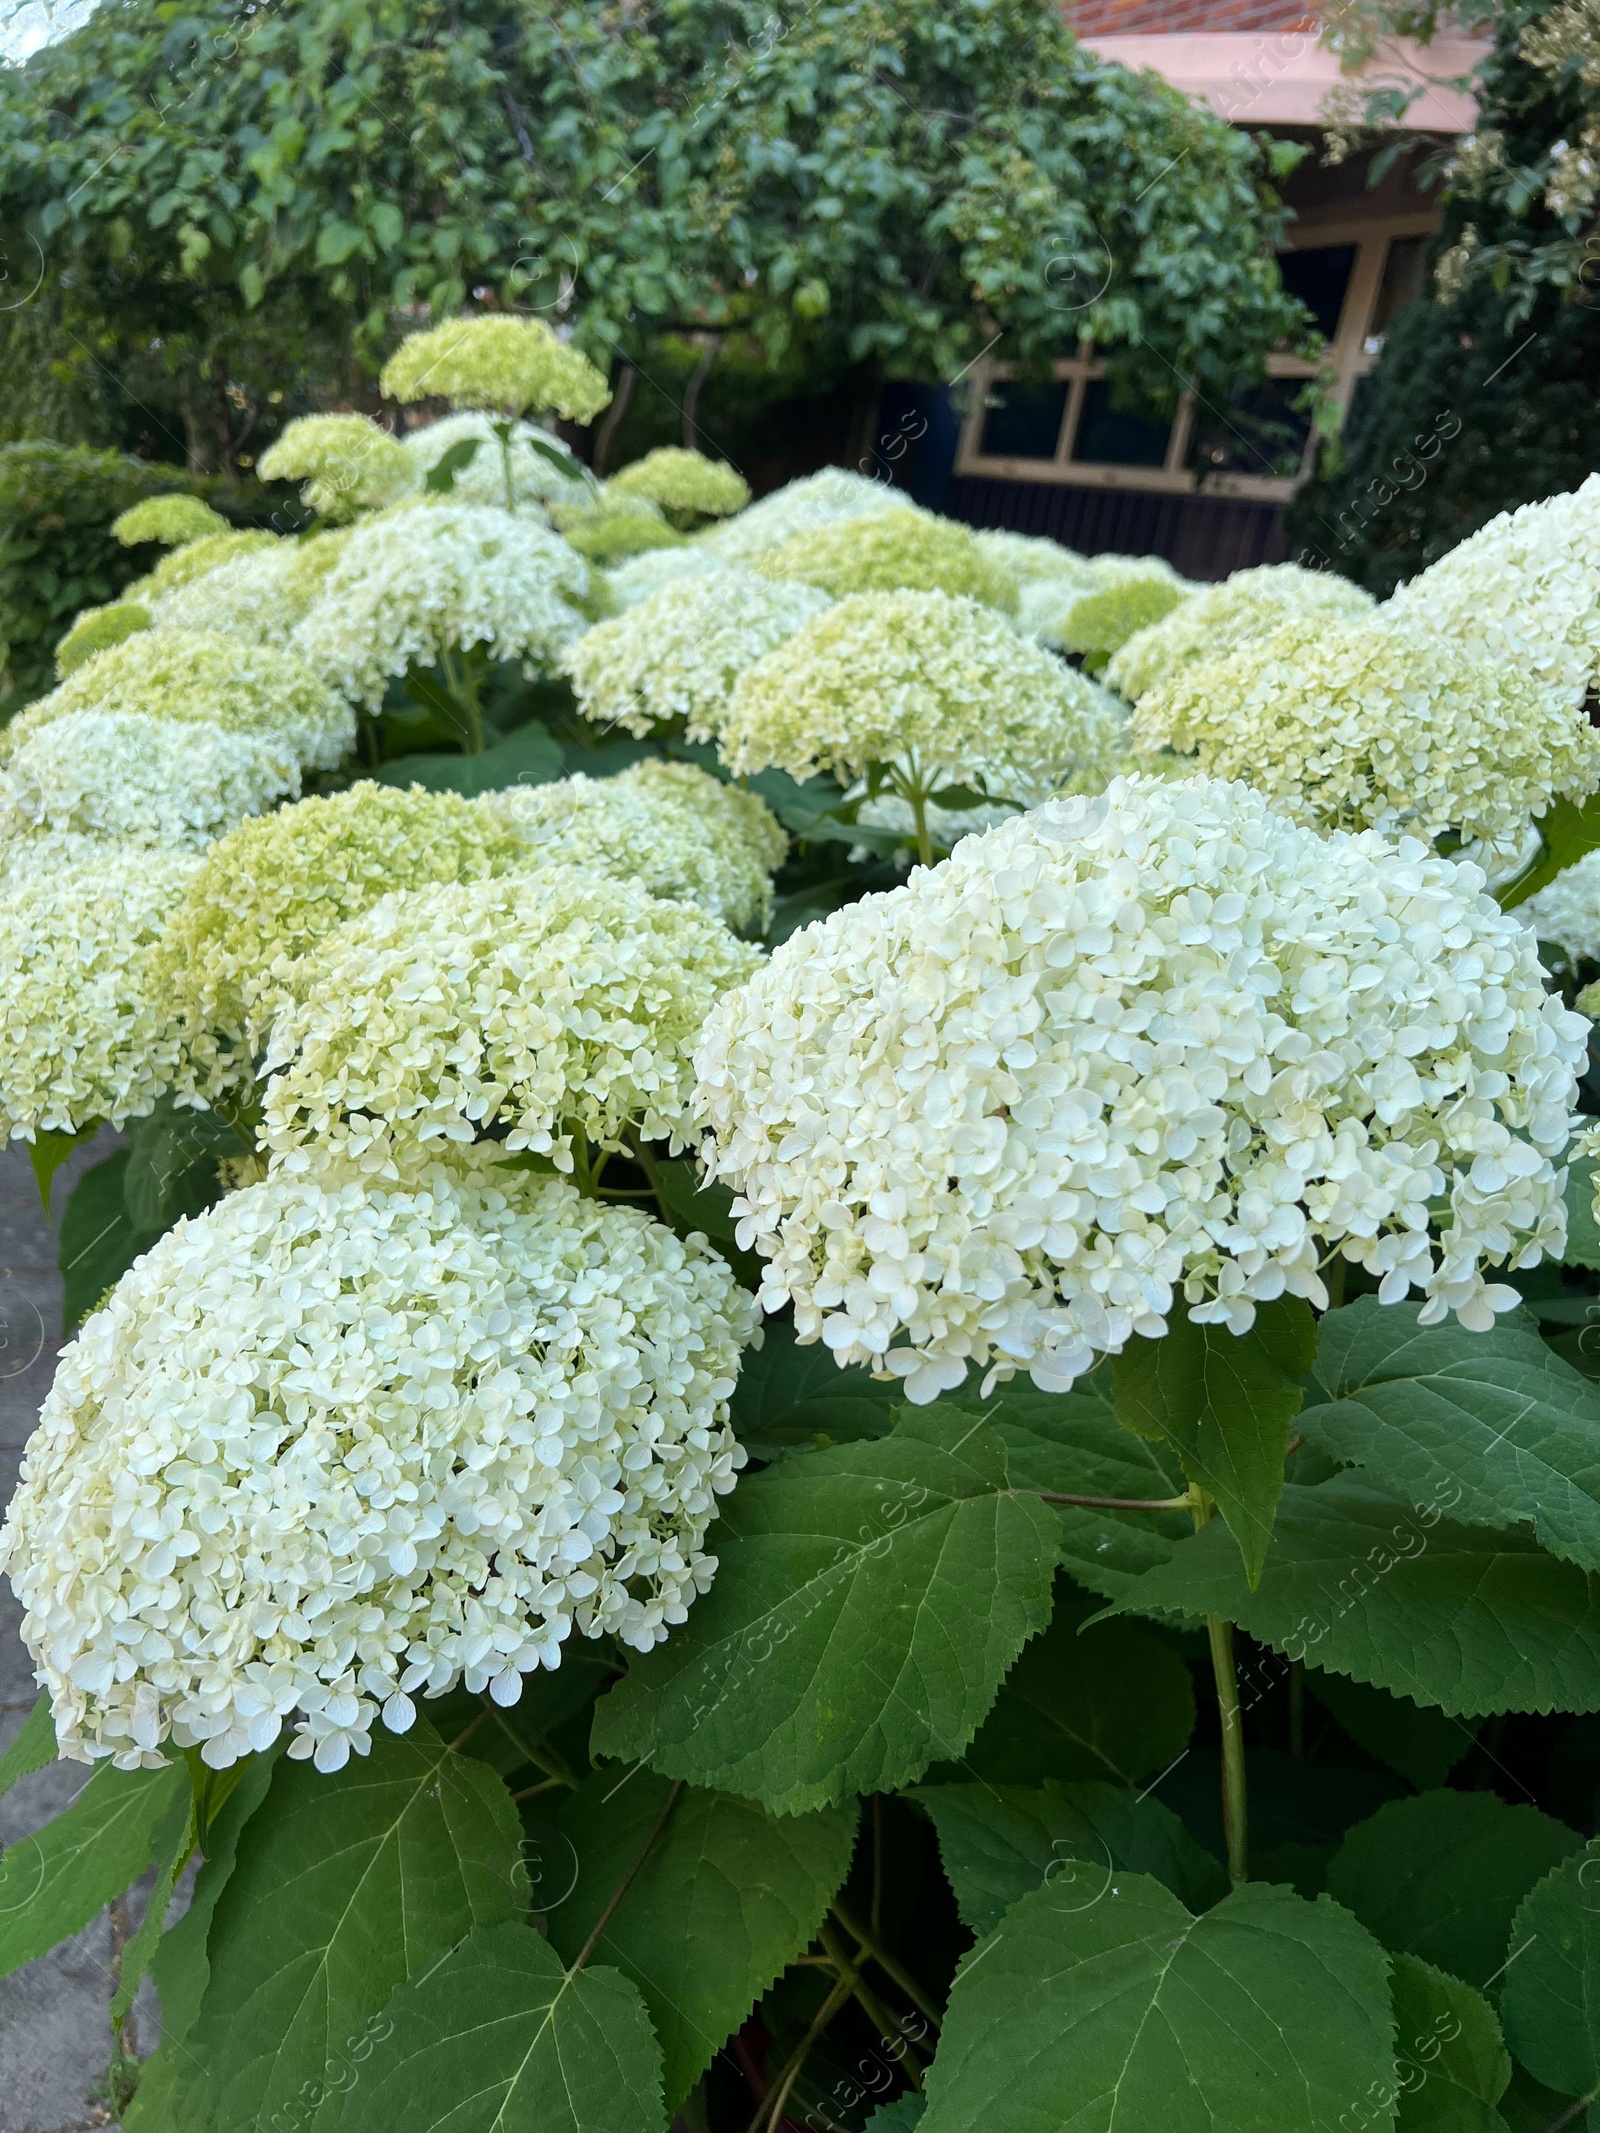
(1283, 77)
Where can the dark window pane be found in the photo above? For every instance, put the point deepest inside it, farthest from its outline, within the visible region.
(1401, 284)
(1023, 421)
(1259, 431)
(1118, 437)
(1319, 276)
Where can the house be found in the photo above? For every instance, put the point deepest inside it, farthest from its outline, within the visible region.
(1206, 485)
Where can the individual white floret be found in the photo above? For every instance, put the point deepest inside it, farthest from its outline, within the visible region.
(327, 1451)
(1158, 1042)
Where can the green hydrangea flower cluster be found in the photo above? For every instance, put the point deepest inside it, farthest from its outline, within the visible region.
(685, 484)
(897, 550)
(1251, 603)
(349, 464)
(173, 520)
(97, 629)
(504, 364)
(277, 884)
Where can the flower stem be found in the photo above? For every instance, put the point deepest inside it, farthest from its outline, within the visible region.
(462, 682)
(1235, 1805)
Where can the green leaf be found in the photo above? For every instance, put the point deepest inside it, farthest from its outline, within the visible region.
(47, 1151)
(345, 1886)
(562, 461)
(904, 2115)
(1490, 1426)
(1583, 1232)
(171, 1845)
(336, 241)
(789, 1397)
(98, 1242)
(1550, 2002)
(727, 1897)
(1267, 2014)
(172, 1165)
(528, 757)
(898, 1580)
(1441, 1876)
(54, 1882)
(1111, 1702)
(441, 476)
(1451, 2061)
(999, 1841)
(1226, 1403)
(1421, 1744)
(1565, 834)
(705, 1207)
(1073, 1443)
(33, 1747)
(1360, 1584)
(499, 2036)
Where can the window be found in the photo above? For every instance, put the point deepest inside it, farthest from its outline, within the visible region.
(1023, 421)
(1115, 436)
(1353, 277)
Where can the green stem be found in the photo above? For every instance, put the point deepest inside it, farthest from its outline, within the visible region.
(873, 2008)
(623, 1886)
(582, 1175)
(1297, 1709)
(869, 1945)
(1235, 1801)
(769, 2113)
(503, 431)
(1333, 1281)
(462, 681)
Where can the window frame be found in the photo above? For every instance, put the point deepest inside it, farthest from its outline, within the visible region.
(1346, 358)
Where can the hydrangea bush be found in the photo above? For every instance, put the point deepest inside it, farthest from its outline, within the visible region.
(1138, 1258)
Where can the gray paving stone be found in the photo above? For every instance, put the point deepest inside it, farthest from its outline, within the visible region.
(55, 2032)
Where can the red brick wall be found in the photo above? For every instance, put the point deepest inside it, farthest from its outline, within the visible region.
(1127, 18)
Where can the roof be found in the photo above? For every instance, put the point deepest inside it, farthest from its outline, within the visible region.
(1264, 77)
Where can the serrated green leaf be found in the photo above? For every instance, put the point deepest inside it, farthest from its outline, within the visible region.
(904, 2115)
(1550, 2001)
(1491, 1426)
(1111, 1703)
(1265, 2015)
(33, 1747)
(499, 2035)
(1583, 1232)
(999, 1841)
(898, 1580)
(788, 1396)
(172, 1165)
(171, 1846)
(727, 1897)
(1566, 832)
(706, 1207)
(1423, 1745)
(54, 1882)
(1072, 1442)
(1226, 1403)
(1451, 2062)
(1360, 1584)
(1441, 1876)
(345, 1886)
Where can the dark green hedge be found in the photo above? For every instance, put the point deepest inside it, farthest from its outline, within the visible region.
(57, 503)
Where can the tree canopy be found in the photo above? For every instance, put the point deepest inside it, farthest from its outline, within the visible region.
(883, 186)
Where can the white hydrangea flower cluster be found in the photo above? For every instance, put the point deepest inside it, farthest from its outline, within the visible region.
(1374, 725)
(816, 500)
(84, 1034)
(1525, 589)
(1566, 912)
(1247, 605)
(1031, 560)
(1115, 589)
(546, 1004)
(928, 681)
(535, 477)
(327, 1449)
(1160, 1040)
(667, 826)
(678, 653)
(25, 853)
(261, 595)
(421, 580)
(641, 575)
(202, 676)
(268, 891)
(156, 781)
